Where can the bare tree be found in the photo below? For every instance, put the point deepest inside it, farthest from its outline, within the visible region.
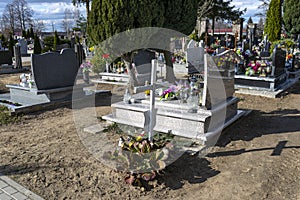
(68, 20)
(38, 26)
(8, 18)
(23, 13)
(204, 8)
(264, 6)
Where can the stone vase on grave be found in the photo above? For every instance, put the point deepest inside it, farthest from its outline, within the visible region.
(86, 76)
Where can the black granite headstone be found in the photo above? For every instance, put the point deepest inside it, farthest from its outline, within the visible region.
(54, 70)
(5, 57)
(278, 62)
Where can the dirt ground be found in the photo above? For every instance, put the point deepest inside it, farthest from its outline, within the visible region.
(258, 157)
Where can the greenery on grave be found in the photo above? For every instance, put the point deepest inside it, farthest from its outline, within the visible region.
(135, 153)
(6, 117)
(287, 44)
(99, 61)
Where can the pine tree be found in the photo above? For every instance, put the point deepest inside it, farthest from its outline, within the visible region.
(24, 35)
(28, 33)
(291, 16)
(31, 32)
(250, 21)
(55, 41)
(37, 49)
(274, 21)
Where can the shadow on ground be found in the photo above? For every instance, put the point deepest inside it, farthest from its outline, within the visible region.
(259, 123)
(188, 168)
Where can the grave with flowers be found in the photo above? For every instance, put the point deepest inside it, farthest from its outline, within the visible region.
(198, 110)
(263, 75)
(158, 122)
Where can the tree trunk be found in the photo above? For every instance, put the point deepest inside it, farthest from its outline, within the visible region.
(131, 72)
(170, 76)
(18, 58)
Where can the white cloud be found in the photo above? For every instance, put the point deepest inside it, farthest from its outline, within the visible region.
(250, 5)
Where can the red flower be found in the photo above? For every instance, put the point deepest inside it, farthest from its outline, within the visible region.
(106, 55)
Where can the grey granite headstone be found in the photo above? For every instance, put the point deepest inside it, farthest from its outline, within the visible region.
(23, 45)
(5, 57)
(54, 70)
(195, 60)
(220, 71)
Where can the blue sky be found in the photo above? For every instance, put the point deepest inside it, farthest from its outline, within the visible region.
(53, 10)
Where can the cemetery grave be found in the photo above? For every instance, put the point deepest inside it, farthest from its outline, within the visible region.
(116, 74)
(6, 61)
(195, 117)
(51, 83)
(266, 76)
(294, 69)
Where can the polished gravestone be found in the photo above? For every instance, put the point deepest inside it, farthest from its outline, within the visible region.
(271, 85)
(51, 83)
(5, 58)
(217, 110)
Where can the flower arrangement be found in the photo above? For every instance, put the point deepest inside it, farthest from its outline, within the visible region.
(86, 66)
(262, 68)
(228, 60)
(289, 57)
(173, 92)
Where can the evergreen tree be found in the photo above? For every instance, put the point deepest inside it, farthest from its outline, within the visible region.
(274, 21)
(291, 16)
(37, 49)
(55, 41)
(250, 21)
(180, 15)
(24, 35)
(108, 18)
(28, 33)
(3, 40)
(31, 33)
(11, 44)
(219, 10)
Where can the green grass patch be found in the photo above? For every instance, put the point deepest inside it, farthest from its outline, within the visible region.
(6, 117)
